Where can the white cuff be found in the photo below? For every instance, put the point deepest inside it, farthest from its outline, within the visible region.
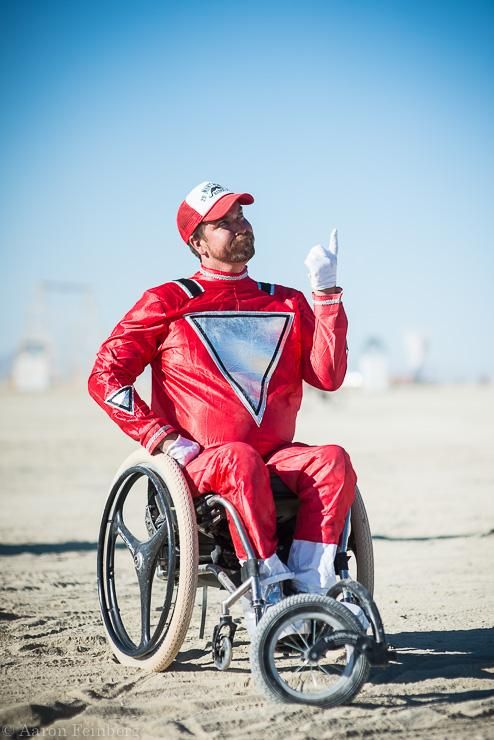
(313, 565)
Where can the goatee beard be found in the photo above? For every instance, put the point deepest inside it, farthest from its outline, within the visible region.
(242, 248)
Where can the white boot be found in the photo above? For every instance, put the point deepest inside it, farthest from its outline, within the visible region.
(273, 566)
(313, 565)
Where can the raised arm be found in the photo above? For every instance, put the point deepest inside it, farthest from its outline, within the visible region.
(324, 330)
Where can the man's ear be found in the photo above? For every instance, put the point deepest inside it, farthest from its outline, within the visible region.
(197, 243)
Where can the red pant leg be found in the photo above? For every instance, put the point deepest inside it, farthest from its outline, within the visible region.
(324, 480)
(237, 472)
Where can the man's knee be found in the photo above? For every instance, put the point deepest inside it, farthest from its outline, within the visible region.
(335, 455)
(241, 456)
(337, 459)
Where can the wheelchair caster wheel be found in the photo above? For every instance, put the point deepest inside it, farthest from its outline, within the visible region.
(222, 642)
(222, 653)
(303, 652)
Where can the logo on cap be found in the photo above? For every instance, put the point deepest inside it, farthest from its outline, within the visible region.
(211, 189)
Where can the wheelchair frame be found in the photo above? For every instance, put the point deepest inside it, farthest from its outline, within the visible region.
(173, 541)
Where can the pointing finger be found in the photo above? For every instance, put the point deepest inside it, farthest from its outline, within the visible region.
(333, 242)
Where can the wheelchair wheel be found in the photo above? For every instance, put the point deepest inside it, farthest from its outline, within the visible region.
(147, 561)
(360, 543)
(281, 667)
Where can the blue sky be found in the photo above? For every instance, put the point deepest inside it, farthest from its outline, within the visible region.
(375, 117)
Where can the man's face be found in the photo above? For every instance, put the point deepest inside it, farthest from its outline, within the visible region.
(228, 240)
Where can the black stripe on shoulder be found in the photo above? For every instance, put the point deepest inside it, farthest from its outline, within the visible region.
(191, 287)
(266, 287)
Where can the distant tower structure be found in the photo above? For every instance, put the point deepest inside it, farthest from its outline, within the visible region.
(59, 337)
(31, 369)
(32, 365)
(374, 366)
(416, 347)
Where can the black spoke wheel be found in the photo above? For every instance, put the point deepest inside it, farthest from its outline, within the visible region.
(147, 561)
(282, 667)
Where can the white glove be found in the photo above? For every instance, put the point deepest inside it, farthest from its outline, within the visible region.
(183, 450)
(321, 263)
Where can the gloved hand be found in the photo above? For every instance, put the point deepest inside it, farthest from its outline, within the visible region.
(183, 450)
(321, 263)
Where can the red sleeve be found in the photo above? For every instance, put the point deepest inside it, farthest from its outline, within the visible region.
(324, 347)
(120, 360)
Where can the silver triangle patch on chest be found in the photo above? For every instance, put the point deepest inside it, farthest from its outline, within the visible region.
(246, 347)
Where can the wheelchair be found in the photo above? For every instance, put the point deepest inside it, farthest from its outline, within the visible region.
(157, 545)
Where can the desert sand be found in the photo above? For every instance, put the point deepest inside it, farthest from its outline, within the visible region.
(425, 461)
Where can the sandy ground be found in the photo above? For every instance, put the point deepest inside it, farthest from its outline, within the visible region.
(426, 468)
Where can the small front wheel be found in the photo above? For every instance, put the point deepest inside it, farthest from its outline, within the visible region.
(282, 658)
(222, 653)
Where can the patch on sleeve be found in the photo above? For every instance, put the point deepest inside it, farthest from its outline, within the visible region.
(123, 399)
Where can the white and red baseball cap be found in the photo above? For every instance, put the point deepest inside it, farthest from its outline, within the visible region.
(206, 202)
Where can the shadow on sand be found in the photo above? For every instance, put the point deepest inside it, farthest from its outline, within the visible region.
(441, 654)
(49, 548)
(420, 656)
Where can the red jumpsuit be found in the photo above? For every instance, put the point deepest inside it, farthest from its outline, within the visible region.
(228, 357)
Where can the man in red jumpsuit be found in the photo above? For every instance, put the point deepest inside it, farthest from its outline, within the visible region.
(228, 357)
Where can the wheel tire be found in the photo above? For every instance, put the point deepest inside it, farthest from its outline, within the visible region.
(360, 542)
(298, 607)
(223, 653)
(171, 476)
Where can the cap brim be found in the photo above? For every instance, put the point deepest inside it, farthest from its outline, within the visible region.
(224, 204)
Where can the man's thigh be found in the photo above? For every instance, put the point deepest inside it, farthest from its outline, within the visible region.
(323, 479)
(225, 468)
(295, 462)
(238, 473)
